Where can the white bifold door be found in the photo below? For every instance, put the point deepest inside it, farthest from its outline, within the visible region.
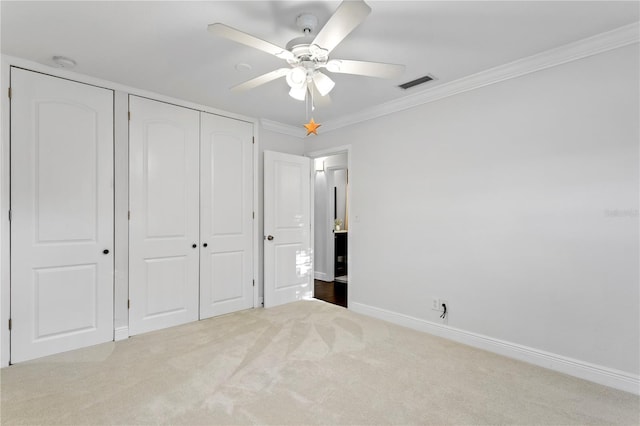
(191, 215)
(226, 220)
(62, 215)
(164, 182)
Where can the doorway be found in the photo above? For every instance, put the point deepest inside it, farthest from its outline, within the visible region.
(331, 225)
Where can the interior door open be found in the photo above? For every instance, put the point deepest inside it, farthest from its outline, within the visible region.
(288, 255)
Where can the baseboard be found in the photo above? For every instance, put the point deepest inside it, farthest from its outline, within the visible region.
(595, 373)
(121, 333)
(320, 276)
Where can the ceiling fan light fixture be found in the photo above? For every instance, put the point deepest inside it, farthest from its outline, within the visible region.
(297, 77)
(299, 93)
(333, 65)
(323, 83)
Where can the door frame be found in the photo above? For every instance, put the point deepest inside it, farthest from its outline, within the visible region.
(342, 149)
(121, 170)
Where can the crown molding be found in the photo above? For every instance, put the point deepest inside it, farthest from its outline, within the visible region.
(590, 46)
(603, 42)
(278, 127)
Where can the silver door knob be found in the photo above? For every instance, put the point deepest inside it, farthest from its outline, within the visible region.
(270, 237)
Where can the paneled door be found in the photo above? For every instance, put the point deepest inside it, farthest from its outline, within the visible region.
(164, 218)
(61, 215)
(226, 215)
(288, 257)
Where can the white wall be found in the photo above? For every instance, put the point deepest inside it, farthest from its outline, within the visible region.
(271, 141)
(517, 202)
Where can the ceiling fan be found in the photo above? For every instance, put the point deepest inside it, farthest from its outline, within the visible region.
(308, 55)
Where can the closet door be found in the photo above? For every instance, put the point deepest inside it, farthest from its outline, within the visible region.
(164, 207)
(226, 216)
(62, 215)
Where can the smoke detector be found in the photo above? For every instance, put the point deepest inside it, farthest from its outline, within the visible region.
(63, 62)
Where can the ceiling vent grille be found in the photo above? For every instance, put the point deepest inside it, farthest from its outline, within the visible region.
(417, 81)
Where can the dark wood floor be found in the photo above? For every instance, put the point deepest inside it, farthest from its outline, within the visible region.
(331, 292)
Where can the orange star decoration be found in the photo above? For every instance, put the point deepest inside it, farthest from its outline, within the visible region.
(312, 127)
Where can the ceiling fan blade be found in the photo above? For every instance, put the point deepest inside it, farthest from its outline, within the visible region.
(227, 32)
(260, 80)
(371, 69)
(346, 18)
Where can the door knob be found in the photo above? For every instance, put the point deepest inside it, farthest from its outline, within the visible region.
(105, 251)
(194, 246)
(270, 237)
(204, 245)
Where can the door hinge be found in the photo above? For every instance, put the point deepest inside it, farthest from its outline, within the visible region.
(254, 215)
(129, 215)
(10, 216)
(254, 283)
(10, 324)
(129, 115)
(9, 92)
(128, 304)
(253, 138)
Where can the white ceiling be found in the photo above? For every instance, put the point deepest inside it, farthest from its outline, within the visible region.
(164, 46)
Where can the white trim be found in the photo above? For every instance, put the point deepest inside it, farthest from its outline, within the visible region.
(257, 218)
(285, 129)
(599, 374)
(590, 46)
(121, 333)
(5, 227)
(342, 149)
(325, 153)
(83, 78)
(320, 276)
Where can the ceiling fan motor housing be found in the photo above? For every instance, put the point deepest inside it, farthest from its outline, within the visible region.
(307, 22)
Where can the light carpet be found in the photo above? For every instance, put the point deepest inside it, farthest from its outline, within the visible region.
(304, 363)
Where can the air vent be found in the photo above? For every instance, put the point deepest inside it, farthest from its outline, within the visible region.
(416, 82)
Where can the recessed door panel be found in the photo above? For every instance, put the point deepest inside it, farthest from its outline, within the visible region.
(164, 222)
(289, 261)
(65, 299)
(228, 183)
(166, 147)
(167, 283)
(62, 215)
(75, 219)
(226, 206)
(289, 195)
(227, 268)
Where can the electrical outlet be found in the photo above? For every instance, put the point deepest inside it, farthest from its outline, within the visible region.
(435, 304)
(445, 313)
